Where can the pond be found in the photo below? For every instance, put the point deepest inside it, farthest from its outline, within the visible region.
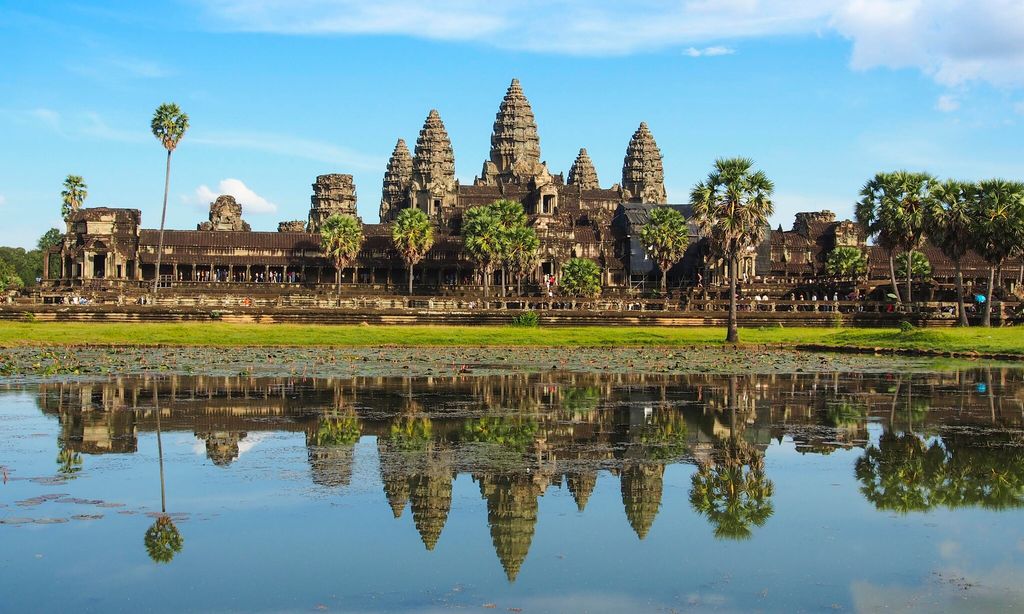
(550, 491)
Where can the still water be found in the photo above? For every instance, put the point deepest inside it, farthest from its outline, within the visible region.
(551, 492)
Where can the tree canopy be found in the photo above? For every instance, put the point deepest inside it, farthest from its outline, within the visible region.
(413, 236)
(846, 261)
(665, 237)
(341, 238)
(581, 277)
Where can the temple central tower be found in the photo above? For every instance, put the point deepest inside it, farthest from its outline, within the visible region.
(515, 146)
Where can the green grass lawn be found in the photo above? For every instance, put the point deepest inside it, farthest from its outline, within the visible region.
(996, 340)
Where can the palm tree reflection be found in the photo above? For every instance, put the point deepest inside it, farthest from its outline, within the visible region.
(163, 541)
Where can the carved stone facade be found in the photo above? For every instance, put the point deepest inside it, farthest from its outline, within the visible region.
(292, 226)
(225, 215)
(397, 179)
(643, 178)
(332, 194)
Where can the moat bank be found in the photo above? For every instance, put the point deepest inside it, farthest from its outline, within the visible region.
(1001, 343)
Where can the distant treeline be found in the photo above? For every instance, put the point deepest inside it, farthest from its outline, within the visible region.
(20, 267)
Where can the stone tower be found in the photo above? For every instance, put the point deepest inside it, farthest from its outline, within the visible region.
(225, 214)
(331, 194)
(515, 146)
(397, 179)
(433, 186)
(643, 178)
(582, 173)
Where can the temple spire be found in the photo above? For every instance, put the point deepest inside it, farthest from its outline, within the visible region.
(433, 167)
(397, 179)
(582, 172)
(514, 141)
(643, 176)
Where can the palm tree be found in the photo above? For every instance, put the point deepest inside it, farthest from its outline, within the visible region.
(892, 207)
(948, 225)
(484, 239)
(521, 245)
(169, 125)
(341, 237)
(998, 215)
(665, 237)
(869, 208)
(846, 261)
(909, 196)
(413, 236)
(731, 208)
(513, 218)
(73, 196)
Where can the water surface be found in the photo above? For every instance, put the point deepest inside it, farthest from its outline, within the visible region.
(546, 492)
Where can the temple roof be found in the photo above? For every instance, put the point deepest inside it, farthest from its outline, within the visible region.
(397, 178)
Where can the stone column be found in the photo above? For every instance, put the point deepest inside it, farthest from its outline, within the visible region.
(46, 264)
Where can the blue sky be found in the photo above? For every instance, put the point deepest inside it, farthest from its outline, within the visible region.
(821, 93)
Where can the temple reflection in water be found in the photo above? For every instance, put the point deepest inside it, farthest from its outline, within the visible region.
(943, 439)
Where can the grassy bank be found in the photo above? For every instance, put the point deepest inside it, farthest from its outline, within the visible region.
(986, 341)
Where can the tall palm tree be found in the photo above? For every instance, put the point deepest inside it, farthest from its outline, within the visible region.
(341, 237)
(512, 217)
(484, 238)
(948, 225)
(665, 238)
(869, 215)
(73, 195)
(908, 200)
(413, 236)
(521, 245)
(731, 208)
(169, 126)
(998, 216)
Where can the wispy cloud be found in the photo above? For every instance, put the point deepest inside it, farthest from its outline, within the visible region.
(114, 67)
(708, 52)
(292, 146)
(953, 41)
(251, 201)
(947, 103)
(3, 200)
(1019, 108)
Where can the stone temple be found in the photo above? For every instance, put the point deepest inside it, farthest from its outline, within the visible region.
(574, 215)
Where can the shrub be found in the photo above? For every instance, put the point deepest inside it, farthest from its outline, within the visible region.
(906, 327)
(529, 319)
(581, 278)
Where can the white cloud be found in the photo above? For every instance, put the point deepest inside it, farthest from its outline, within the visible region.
(953, 41)
(3, 200)
(708, 52)
(947, 103)
(251, 201)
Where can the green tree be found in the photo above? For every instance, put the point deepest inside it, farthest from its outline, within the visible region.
(484, 238)
(50, 239)
(731, 208)
(513, 219)
(920, 267)
(873, 198)
(169, 125)
(521, 245)
(998, 215)
(846, 261)
(892, 208)
(413, 236)
(73, 195)
(581, 278)
(341, 238)
(9, 279)
(949, 227)
(665, 238)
